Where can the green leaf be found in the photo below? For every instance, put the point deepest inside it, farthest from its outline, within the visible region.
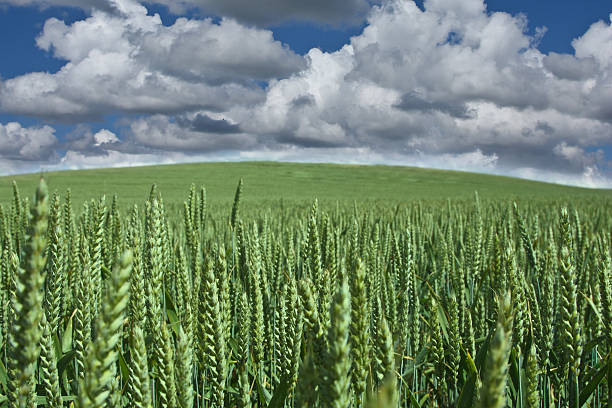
(174, 320)
(601, 340)
(514, 372)
(67, 337)
(413, 402)
(466, 397)
(469, 363)
(481, 354)
(590, 388)
(280, 395)
(523, 390)
(3, 376)
(573, 389)
(264, 395)
(64, 361)
(443, 321)
(125, 372)
(594, 308)
(169, 304)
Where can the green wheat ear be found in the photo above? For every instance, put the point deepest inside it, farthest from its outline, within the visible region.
(243, 327)
(383, 345)
(493, 393)
(138, 384)
(236, 206)
(166, 381)
(100, 369)
(26, 331)
(335, 388)
(533, 393)
(359, 332)
(48, 368)
(212, 335)
(184, 369)
(385, 362)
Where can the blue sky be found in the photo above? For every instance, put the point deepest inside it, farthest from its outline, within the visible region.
(517, 88)
(564, 20)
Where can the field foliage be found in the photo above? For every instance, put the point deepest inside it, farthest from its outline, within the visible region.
(485, 302)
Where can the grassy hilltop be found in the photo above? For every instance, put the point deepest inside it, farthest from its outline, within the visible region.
(271, 182)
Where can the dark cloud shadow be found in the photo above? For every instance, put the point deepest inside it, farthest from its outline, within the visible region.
(205, 124)
(412, 101)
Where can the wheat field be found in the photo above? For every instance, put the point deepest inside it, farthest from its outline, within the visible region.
(457, 303)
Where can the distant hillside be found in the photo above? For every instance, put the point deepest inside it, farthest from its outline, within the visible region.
(272, 181)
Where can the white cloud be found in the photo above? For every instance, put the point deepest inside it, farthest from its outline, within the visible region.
(105, 136)
(452, 82)
(129, 61)
(596, 43)
(565, 66)
(453, 86)
(75, 160)
(26, 143)
(590, 177)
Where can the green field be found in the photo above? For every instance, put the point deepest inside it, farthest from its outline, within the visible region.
(271, 182)
(398, 287)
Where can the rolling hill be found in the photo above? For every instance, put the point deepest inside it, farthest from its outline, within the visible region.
(273, 181)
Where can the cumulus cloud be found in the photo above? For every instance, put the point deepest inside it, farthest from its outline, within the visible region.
(565, 66)
(451, 82)
(596, 43)
(275, 11)
(411, 101)
(105, 136)
(202, 122)
(451, 85)
(129, 61)
(35, 149)
(160, 132)
(84, 4)
(26, 143)
(24, 149)
(262, 13)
